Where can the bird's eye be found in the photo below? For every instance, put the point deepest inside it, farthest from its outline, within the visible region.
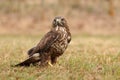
(54, 20)
(62, 19)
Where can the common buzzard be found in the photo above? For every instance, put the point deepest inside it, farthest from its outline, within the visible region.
(51, 46)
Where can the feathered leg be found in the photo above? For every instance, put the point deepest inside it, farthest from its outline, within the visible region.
(53, 59)
(46, 59)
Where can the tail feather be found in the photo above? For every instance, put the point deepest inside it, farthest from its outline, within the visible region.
(31, 60)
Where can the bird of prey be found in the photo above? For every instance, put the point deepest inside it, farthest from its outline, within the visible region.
(51, 46)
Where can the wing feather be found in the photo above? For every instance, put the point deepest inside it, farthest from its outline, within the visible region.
(45, 42)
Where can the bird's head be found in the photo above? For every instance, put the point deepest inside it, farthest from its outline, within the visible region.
(59, 21)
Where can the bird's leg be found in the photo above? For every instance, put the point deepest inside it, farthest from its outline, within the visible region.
(45, 60)
(53, 60)
(49, 62)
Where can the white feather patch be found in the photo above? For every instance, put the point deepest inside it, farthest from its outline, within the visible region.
(56, 28)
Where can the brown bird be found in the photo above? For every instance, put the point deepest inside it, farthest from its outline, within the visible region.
(51, 46)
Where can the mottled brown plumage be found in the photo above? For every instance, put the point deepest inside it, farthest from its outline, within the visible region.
(51, 46)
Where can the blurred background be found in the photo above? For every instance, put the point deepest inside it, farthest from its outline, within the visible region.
(95, 17)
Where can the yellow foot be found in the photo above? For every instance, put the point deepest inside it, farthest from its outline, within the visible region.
(50, 64)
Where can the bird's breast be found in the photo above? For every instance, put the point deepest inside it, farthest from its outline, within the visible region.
(61, 44)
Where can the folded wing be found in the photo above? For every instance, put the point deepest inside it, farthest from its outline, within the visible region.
(45, 43)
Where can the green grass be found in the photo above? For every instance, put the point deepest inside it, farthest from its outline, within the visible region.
(87, 58)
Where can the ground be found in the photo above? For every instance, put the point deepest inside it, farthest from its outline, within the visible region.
(88, 57)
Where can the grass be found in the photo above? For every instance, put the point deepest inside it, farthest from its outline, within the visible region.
(87, 58)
